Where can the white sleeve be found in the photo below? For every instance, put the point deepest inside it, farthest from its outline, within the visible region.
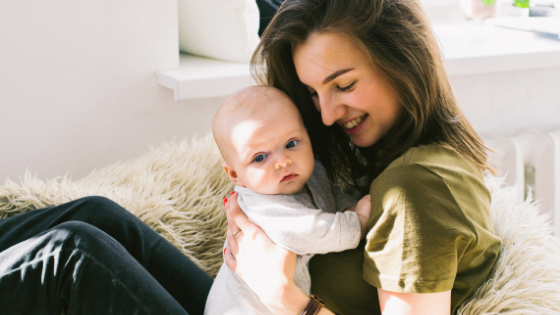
(304, 230)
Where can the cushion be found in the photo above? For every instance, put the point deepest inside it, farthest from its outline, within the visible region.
(267, 9)
(178, 189)
(220, 29)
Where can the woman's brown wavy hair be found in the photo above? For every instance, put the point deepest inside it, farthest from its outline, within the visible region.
(397, 36)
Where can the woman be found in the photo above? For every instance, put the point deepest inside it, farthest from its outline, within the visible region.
(369, 81)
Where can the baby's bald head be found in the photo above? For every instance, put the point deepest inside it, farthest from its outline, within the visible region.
(254, 102)
(263, 141)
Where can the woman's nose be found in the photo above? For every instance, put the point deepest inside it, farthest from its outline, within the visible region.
(282, 162)
(331, 110)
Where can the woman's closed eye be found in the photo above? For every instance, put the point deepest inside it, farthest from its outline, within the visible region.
(260, 158)
(291, 144)
(347, 88)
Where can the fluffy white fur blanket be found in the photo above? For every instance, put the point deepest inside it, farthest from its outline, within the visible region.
(178, 189)
(526, 277)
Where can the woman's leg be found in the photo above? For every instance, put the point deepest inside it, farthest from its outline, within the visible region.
(187, 283)
(76, 268)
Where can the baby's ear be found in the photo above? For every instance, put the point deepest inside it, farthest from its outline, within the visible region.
(232, 174)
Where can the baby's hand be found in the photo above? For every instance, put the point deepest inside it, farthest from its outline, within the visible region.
(363, 210)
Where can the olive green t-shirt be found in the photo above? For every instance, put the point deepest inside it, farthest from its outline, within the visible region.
(430, 230)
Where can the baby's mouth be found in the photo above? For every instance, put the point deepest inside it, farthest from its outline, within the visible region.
(288, 177)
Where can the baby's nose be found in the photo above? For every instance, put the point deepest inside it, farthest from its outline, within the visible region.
(283, 162)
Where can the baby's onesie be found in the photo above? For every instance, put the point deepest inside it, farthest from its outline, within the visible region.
(305, 224)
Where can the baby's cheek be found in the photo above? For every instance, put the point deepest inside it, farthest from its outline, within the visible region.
(258, 180)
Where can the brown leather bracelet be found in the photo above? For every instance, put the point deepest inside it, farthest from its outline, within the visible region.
(313, 306)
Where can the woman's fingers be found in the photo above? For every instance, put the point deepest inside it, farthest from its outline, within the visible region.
(231, 203)
(232, 227)
(238, 219)
(230, 260)
(232, 241)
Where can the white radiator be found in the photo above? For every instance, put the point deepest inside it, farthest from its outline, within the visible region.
(530, 161)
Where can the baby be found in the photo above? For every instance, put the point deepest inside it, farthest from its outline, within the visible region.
(281, 188)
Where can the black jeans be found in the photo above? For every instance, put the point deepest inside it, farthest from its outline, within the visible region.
(91, 256)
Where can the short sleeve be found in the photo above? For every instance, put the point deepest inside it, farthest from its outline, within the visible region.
(417, 232)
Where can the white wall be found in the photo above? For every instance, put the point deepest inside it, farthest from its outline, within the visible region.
(507, 103)
(78, 90)
(77, 84)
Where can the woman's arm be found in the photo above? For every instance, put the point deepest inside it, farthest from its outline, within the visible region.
(393, 303)
(266, 268)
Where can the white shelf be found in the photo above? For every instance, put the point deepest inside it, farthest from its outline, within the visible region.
(477, 49)
(199, 77)
(468, 48)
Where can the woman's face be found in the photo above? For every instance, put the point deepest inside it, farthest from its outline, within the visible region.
(346, 88)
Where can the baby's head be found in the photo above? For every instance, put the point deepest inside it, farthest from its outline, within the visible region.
(263, 141)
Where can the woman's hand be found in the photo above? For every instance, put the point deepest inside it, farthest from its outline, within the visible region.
(266, 268)
(363, 210)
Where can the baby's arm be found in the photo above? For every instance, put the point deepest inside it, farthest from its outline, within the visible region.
(305, 230)
(346, 202)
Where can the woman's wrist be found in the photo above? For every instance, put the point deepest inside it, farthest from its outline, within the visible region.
(292, 301)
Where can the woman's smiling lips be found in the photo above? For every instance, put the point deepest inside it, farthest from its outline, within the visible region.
(355, 125)
(288, 177)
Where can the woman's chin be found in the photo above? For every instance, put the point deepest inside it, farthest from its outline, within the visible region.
(362, 141)
(366, 136)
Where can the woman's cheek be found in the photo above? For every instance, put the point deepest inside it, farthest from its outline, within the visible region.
(363, 100)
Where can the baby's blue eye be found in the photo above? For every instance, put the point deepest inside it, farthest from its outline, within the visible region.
(259, 158)
(291, 144)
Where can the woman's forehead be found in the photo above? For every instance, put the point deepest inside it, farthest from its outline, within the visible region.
(325, 53)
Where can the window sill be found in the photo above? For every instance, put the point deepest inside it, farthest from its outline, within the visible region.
(199, 77)
(468, 48)
(476, 48)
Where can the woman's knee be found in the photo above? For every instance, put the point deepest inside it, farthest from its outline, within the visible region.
(71, 229)
(99, 203)
(82, 236)
(101, 208)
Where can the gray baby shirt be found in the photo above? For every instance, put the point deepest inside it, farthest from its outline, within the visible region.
(301, 223)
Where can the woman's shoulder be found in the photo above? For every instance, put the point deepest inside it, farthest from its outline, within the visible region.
(434, 161)
(435, 176)
(432, 156)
